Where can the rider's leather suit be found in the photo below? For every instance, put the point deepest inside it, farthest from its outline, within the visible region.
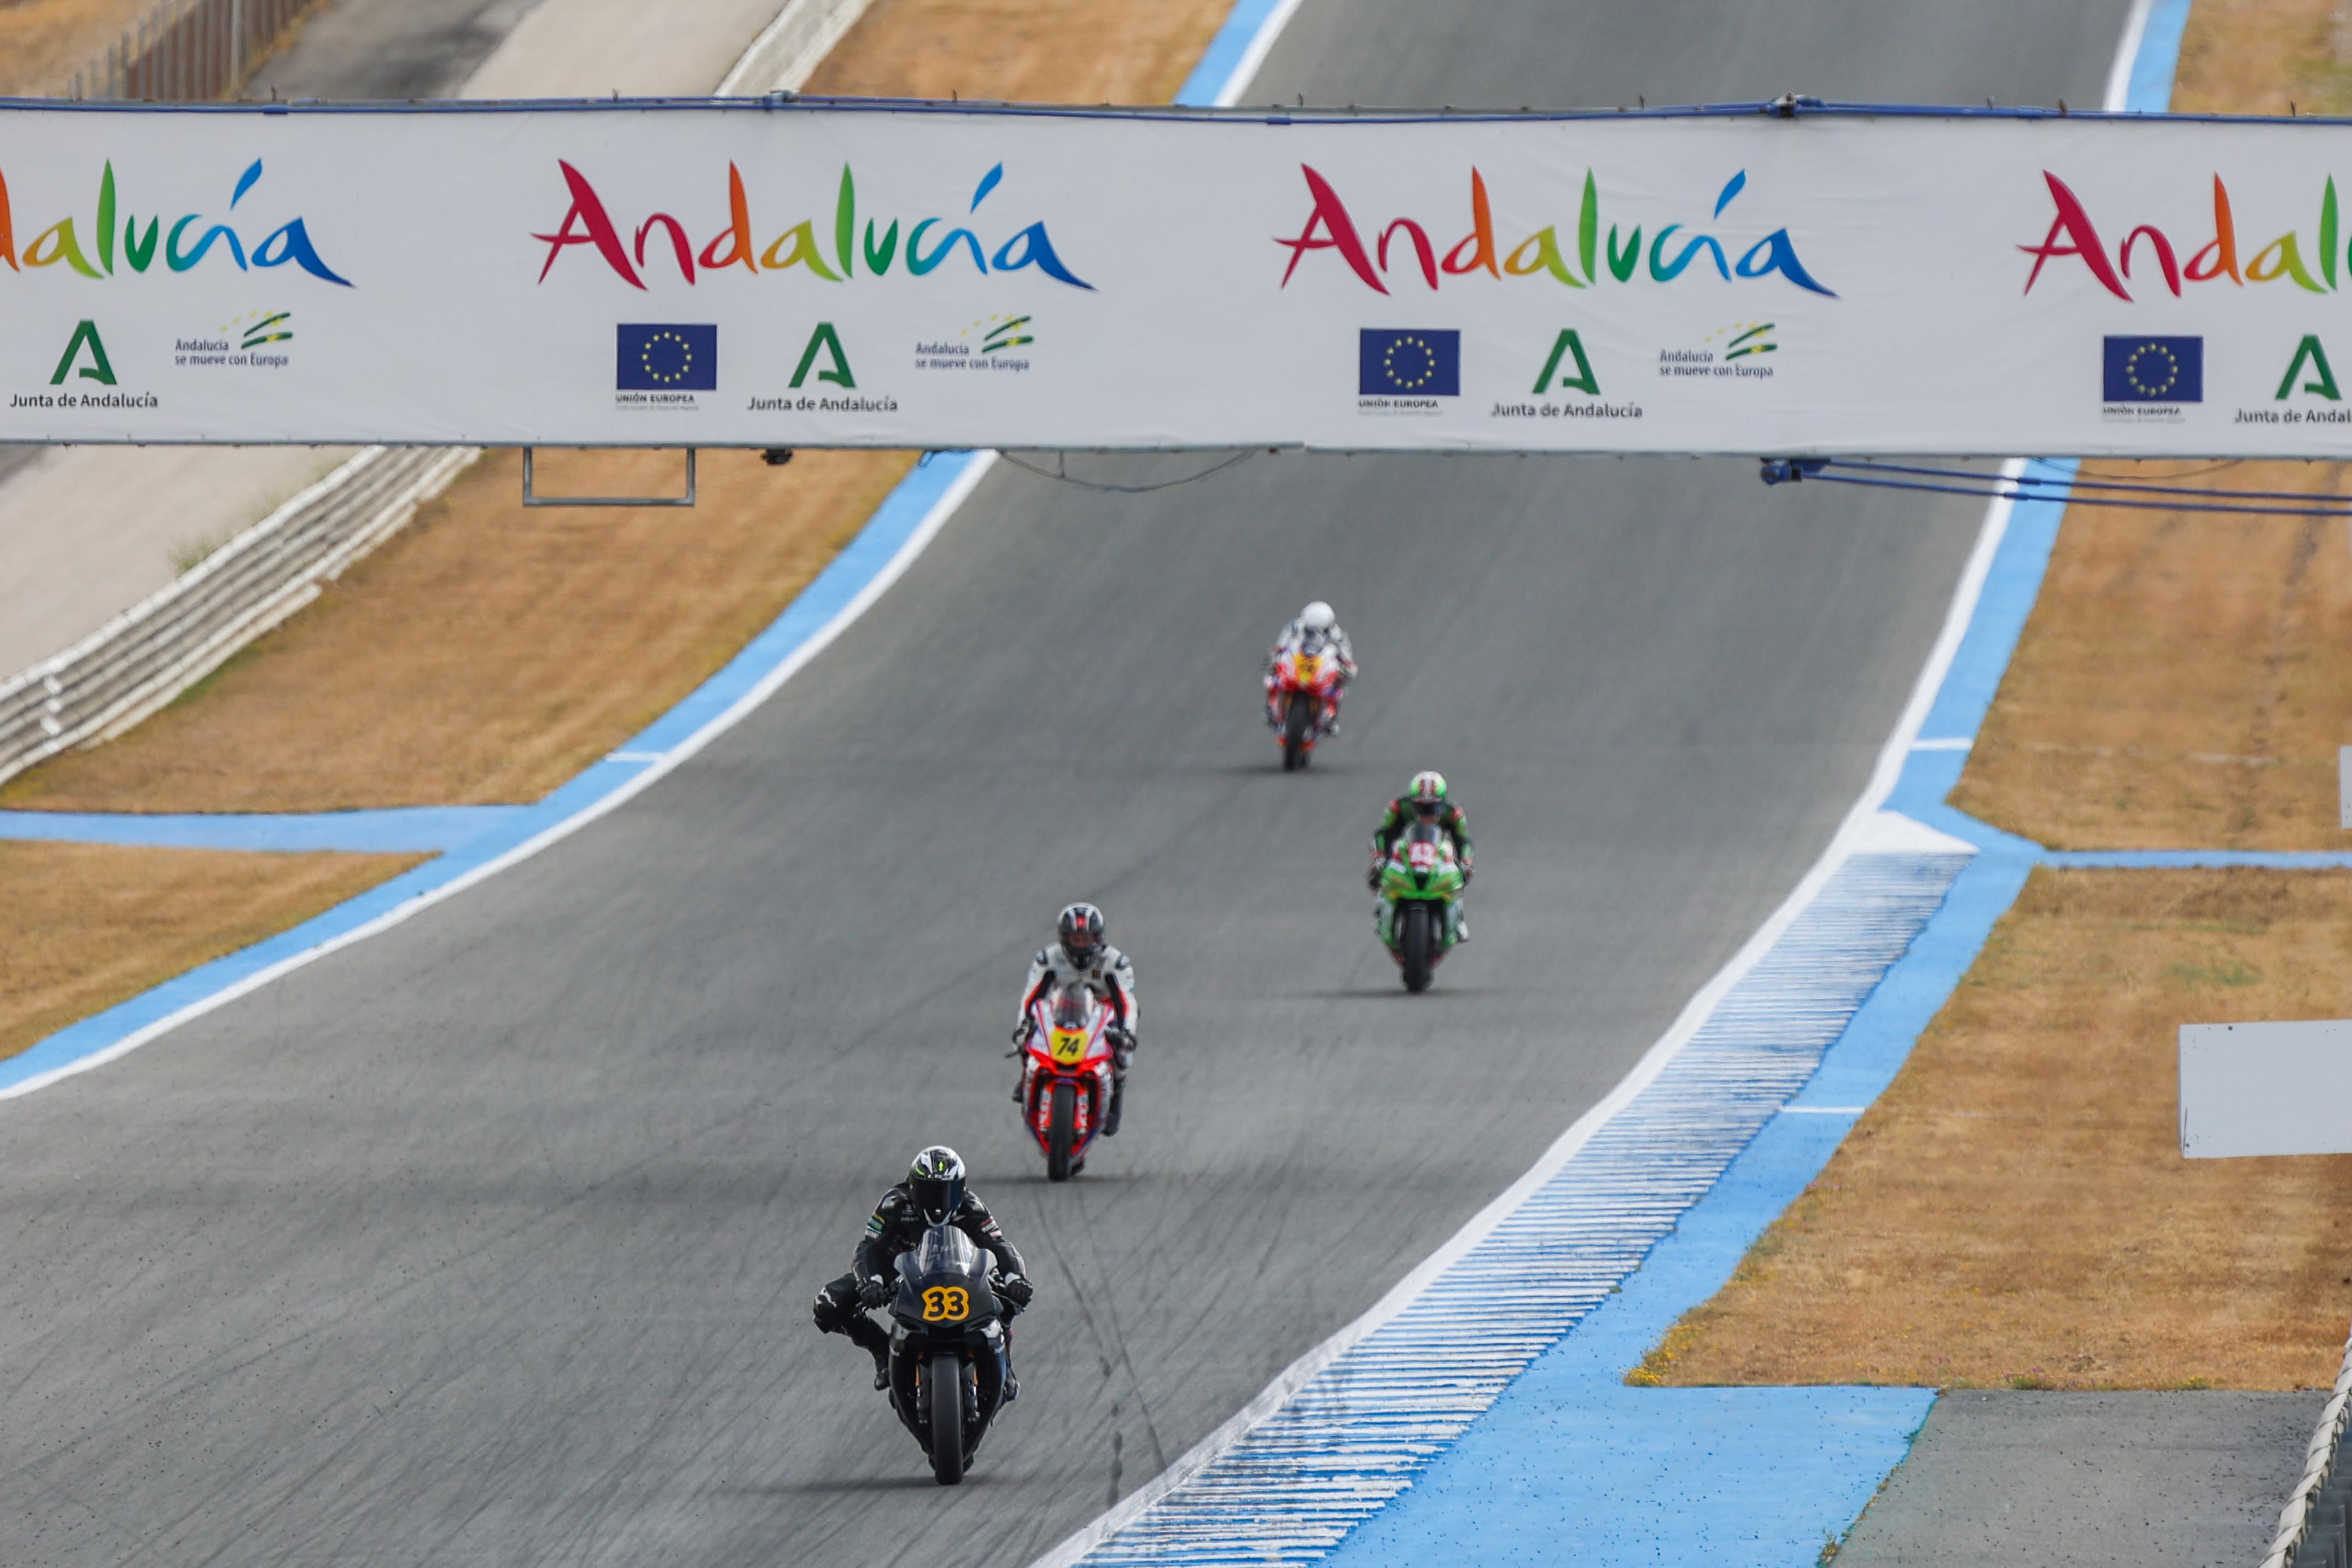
(1295, 636)
(1110, 976)
(896, 1228)
(1392, 824)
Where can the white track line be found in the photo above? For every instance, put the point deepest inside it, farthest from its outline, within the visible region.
(1851, 835)
(2119, 72)
(1261, 43)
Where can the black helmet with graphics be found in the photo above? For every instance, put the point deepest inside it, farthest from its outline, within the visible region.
(935, 1184)
(1082, 926)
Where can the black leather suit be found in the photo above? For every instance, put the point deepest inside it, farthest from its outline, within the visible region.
(896, 1228)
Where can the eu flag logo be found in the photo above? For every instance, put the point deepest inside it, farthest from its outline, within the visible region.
(1413, 362)
(668, 358)
(2155, 370)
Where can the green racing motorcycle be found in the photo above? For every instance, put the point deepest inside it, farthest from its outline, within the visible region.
(1419, 918)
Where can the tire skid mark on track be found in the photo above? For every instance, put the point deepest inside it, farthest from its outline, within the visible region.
(1198, 1497)
(1356, 1433)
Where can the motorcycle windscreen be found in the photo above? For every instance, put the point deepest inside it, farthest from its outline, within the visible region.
(944, 1249)
(1074, 1008)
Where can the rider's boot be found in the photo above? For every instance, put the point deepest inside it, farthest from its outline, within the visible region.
(1117, 1101)
(882, 1369)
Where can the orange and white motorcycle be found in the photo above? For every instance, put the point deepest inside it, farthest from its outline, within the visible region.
(1302, 693)
(1067, 1068)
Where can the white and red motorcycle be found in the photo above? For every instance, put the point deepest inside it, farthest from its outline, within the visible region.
(1066, 1065)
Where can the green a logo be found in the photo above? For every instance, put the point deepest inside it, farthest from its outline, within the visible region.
(98, 370)
(825, 338)
(2309, 352)
(1567, 344)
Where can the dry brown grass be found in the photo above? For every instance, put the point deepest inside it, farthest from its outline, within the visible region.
(86, 925)
(2015, 1212)
(2182, 681)
(487, 653)
(2261, 56)
(44, 42)
(1035, 51)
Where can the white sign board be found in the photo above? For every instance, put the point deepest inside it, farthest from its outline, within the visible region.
(2266, 1089)
(748, 274)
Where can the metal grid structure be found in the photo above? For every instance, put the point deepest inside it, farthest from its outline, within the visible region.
(187, 51)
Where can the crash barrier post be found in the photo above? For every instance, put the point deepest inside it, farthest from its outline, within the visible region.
(187, 51)
(150, 654)
(2312, 1528)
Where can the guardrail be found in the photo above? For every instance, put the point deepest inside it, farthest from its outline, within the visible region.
(149, 655)
(152, 652)
(2313, 1531)
(187, 49)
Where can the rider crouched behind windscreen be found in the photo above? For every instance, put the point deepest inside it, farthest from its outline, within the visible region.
(1314, 630)
(1080, 957)
(934, 1193)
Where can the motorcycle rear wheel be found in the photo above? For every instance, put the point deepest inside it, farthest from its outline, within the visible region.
(1299, 718)
(1061, 1132)
(1418, 939)
(943, 1392)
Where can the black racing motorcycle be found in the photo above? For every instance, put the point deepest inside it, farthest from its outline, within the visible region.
(947, 1348)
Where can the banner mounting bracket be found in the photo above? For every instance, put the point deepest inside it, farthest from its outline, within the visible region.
(530, 496)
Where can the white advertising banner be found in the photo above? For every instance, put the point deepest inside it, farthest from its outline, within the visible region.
(811, 274)
(2266, 1089)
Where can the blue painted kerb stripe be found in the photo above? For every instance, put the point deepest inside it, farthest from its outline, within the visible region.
(2158, 60)
(1225, 52)
(848, 575)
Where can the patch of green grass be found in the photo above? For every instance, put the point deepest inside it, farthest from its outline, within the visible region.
(2226, 972)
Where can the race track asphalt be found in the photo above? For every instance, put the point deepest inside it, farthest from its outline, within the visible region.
(2002, 1479)
(491, 1240)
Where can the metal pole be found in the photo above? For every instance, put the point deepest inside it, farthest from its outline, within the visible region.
(235, 44)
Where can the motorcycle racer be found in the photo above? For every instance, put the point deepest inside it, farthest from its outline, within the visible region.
(1080, 955)
(934, 1193)
(1424, 799)
(1313, 629)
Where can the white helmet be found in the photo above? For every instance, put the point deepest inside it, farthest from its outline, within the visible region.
(1317, 617)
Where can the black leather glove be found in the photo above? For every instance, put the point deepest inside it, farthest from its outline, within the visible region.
(1021, 1034)
(1017, 1289)
(872, 1291)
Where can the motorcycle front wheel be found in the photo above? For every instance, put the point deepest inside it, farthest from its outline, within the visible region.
(943, 1391)
(1418, 941)
(1061, 1132)
(1297, 719)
